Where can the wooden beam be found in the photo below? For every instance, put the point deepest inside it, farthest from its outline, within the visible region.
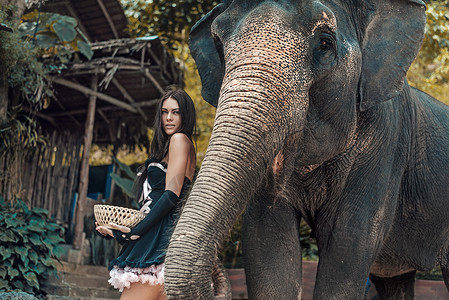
(3, 96)
(148, 103)
(64, 109)
(108, 18)
(87, 91)
(101, 113)
(148, 75)
(128, 96)
(72, 11)
(47, 118)
(154, 56)
(84, 169)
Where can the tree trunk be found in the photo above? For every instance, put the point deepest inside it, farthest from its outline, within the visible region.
(14, 19)
(3, 96)
(84, 172)
(19, 5)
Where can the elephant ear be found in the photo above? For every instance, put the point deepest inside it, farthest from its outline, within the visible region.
(206, 56)
(392, 40)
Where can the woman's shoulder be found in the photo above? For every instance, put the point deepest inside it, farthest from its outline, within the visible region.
(179, 139)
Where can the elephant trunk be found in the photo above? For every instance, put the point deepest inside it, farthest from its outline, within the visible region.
(224, 184)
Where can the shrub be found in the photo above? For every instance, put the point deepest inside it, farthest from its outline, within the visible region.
(28, 242)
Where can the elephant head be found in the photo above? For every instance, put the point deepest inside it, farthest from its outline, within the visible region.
(289, 76)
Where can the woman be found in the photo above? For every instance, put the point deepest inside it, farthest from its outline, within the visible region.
(138, 270)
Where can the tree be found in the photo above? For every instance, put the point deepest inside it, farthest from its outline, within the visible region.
(13, 16)
(171, 20)
(430, 71)
(25, 87)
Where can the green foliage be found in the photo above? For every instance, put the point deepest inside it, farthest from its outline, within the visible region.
(18, 59)
(28, 242)
(126, 181)
(55, 34)
(430, 71)
(171, 20)
(19, 130)
(16, 296)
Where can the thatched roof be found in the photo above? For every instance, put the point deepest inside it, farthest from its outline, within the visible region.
(131, 76)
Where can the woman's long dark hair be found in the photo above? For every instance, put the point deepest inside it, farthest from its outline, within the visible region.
(161, 141)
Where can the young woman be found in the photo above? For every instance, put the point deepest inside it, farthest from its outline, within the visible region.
(138, 271)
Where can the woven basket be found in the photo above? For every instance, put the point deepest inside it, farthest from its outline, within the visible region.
(105, 214)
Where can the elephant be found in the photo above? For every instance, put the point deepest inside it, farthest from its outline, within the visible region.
(316, 121)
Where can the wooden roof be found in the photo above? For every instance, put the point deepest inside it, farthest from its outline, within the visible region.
(131, 75)
(100, 20)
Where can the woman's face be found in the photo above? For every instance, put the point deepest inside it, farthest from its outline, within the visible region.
(171, 116)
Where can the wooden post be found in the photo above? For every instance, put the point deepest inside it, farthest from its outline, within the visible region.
(84, 170)
(3, 96)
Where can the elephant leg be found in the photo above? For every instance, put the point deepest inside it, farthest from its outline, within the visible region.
(271, 249)
(401, 287)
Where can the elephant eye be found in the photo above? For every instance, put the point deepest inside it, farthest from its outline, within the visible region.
(325, 50)
(326, 44)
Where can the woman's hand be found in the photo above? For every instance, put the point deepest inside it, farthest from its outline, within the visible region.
(103, 230)
(124, 229)
(121, 228)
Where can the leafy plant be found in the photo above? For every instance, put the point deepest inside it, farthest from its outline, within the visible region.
(50, 30)
(171, 20)
(430, 71)
(125, 183)
(28, 242)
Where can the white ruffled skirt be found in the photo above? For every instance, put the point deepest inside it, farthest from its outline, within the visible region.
(122, 278)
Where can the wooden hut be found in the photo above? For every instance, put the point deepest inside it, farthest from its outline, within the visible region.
(109, 99)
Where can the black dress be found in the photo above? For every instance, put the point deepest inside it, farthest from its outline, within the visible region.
(142, 259)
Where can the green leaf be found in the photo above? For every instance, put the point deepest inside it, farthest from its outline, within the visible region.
(54, 238)
(2, 272)
(31, 279)
(47, 261)
(37, 225)
(39, 268)
(62, 18)
(12, 272)
(4, 285)
(46, 40)
(11, 222)
(40, 211)
(85, 49)
(58, 251)
(8, 236)
(23, 268)
(124, 168)
(64, 30)
(27, 28)
(6, 252)
(22, 251)
(25, 261)
(35, 239)
(124, 183)
(33, 256)
(19, 285)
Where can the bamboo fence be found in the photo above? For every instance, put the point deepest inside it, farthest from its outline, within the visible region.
(45, 176)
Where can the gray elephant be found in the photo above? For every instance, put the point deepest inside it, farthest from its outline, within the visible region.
(319, 88)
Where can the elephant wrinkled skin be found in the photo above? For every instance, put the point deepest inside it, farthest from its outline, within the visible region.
(319, 88)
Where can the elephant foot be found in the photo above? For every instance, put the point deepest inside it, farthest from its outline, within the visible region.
(397, 287)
